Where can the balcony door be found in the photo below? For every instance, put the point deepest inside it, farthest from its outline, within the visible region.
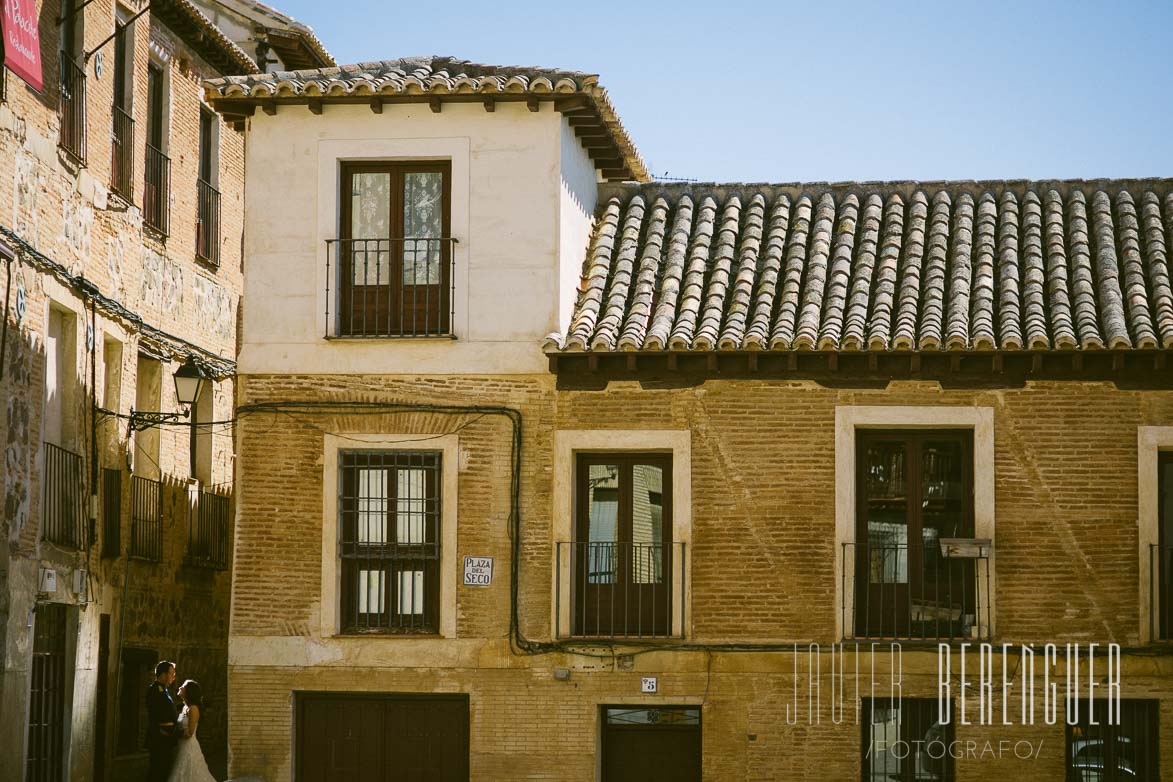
(622, 562)
(913, 487)
(395, 258)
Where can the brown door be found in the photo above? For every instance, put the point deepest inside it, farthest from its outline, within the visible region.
(382, 738)
(623, 545)
(395, 260)
(914, 488)
(642, 743)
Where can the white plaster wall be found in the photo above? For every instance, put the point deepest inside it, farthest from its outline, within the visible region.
(511, 200)
(576, 207)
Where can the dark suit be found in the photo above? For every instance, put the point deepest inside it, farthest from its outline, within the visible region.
(161, 739)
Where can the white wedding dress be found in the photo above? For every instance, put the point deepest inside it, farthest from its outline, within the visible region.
(190, 765)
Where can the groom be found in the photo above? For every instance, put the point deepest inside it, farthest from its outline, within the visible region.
(161, 711)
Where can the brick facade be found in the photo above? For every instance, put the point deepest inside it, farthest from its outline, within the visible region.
(763, 485)
(153, 298)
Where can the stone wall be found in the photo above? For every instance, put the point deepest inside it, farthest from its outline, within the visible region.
(59, 211)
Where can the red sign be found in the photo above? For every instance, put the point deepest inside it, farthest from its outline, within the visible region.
(22, 41)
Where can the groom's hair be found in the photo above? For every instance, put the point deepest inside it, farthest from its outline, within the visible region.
(162, 667)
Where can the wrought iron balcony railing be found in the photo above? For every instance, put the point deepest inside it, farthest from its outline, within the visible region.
(620, 590)
(390, 287)
(208, 531)
(122, 154)
(72, 134)
(146, 520)
(208, 222)
(915, 592)
(64, 509)
(157, 191)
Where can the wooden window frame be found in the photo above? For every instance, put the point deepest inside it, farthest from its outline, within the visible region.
(353, 554)
(345, 280)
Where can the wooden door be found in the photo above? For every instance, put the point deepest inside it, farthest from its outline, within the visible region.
(641, 744)
(382, 738)
(623, 546)
(913, 488)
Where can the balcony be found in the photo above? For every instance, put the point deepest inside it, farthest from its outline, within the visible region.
(208, 223)
(386, 288)
(122, 154)
(157, 191)
(111, 512)
(146, 519)
(1160, 592)
(72, 134)
(208, 532)
(915, 592)
(63, 518)
(619, 590)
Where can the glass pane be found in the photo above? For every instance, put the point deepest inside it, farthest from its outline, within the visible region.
(941, 492)
(603, 526)
(411, 592)
(647, 528)
(370, 228)
(372, 506)
(411, 506)
(883, 754)
(372, 586)
(638, 716)
(887, 513)
(423, 225)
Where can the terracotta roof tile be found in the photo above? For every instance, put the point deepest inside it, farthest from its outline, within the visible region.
(879, 266)
(432, 76)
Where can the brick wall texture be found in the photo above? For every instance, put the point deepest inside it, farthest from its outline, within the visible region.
(763, 507)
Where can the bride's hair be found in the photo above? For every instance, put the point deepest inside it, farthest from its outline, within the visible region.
(193, 694)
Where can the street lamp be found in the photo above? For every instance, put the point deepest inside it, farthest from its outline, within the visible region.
(189, 381)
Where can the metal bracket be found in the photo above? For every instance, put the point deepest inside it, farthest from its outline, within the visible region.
(117, 29)
(141, 420)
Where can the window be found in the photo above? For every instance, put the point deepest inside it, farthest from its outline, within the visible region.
(148, 389)
(122, 138)
(111, 374)
(389, 542)
(914, 488)
(1106, 752)
(622, 554)
(60, 377)
(394, 257)
(72, 134)
(157, 182)
(1160, 557)
(111, 512)
(208, 197)
(209, 531)
(658, 742)
(47, 721)
(904, 739)
(146, 518)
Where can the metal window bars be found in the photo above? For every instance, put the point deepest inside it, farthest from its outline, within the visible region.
(903, 739)
(46, 751)
(619, 589)
(111, 512)
(146, 519)
(64, 503)
(157, 190)
(913, 592)
(390, 287)
(122, 153)
(208, 222)
(208, 531)
(389, 541)
(72, 109)
(1103, 746)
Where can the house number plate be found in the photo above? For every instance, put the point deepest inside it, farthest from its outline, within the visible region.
(478, 571)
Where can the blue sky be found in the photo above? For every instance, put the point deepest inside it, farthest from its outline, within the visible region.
(782, 92)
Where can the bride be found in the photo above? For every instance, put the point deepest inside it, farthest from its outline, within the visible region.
(190, 765)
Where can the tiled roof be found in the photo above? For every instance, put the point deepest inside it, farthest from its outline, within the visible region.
(433, 76)
(878, 266)
(206, 38)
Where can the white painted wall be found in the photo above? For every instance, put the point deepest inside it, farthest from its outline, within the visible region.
(522, 196)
